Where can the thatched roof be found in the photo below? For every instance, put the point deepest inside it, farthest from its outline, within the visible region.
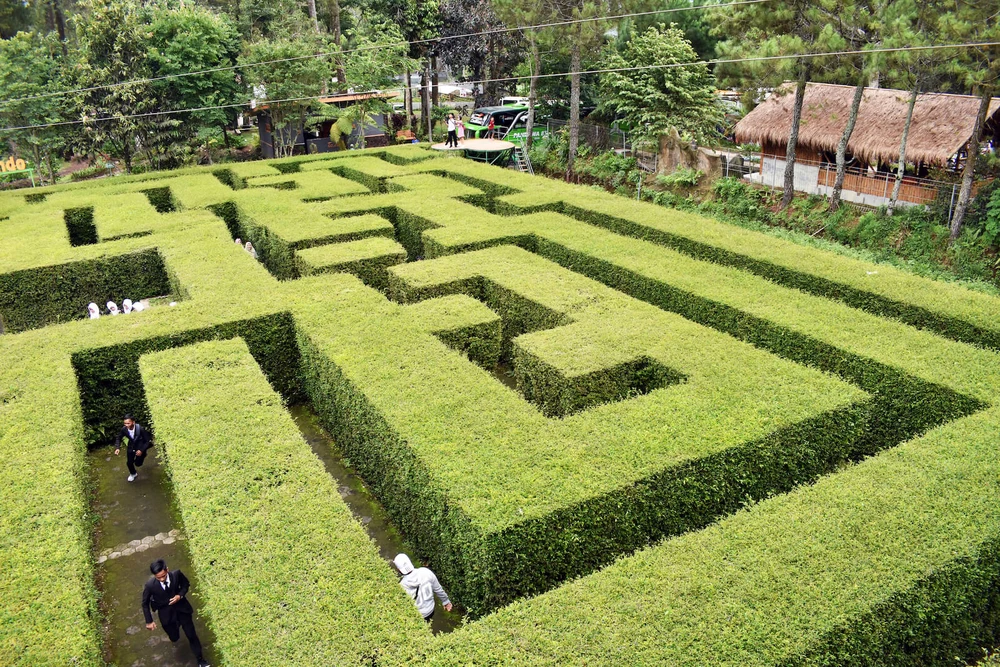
(942, 124)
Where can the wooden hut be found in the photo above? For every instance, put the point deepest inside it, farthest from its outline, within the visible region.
(939, 134)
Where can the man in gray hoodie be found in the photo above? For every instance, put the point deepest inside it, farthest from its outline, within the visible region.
(422, 585)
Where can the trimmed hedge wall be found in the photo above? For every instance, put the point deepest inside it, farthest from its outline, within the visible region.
(80, 225)
(533, 556)
(111, 386)
(161, 199)
(267, 528)
(35, 298)
(886, 555)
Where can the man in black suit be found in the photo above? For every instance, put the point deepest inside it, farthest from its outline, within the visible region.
(166, 593)
(137, 444)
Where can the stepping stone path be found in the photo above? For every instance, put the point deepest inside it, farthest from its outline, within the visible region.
(137, 546)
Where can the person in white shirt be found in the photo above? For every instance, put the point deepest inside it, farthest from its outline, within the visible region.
(112, 307)
(422, 585)
(93, 311)
(452, 141)
(127, 306)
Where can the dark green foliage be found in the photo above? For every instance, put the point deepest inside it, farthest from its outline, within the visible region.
(35, 197)
(229, 177)
(35, 298)
(80, 224)
(161, 199)
(287, 167)
(558, 396)
(481, 343)
(111, 386)
(373, 183)
(953, 612)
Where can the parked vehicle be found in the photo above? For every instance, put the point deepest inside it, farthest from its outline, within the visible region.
(509, 122)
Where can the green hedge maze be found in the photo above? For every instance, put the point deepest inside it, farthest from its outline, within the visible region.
(620, 434)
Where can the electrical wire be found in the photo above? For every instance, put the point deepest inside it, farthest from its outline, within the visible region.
(374, 47)
(822, 54)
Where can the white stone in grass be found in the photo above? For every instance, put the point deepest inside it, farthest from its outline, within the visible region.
(101, 559)
(129, 551)
(169, 540)
(114, 554)
(141, 548)
(148, 539)
(160, 536)
(174, 533)
(135, 543)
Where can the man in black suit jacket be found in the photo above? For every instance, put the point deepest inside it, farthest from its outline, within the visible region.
(136, 442)
(166, 594)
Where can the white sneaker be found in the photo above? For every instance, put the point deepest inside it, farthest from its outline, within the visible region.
(131, 478)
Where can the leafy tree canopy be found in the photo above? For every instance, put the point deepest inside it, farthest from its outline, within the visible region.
(655, 99)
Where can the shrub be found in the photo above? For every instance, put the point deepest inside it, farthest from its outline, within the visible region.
(686, 177)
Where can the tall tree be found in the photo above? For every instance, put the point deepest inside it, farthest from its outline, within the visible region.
(856, 26)
(583, 33)
(653, 100)
(789, 27)
(419, 22)
(911, 23)
(289, 88)
(379, 55)
(525, 14)
(113, 61)
(196, 40)
(973, 21)
(14, 17)
(489, 56)
(30, 65)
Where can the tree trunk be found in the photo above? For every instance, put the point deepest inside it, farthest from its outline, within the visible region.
(793, 137)
(425, 99)
(60, 21)
(225, 135)
(408, 100)
(336, 32)
(127, 154)
(901, 169)
(574, 105)
(852, 119)
(313, 16)
(533, 89)
(965, 194)
(435, 94)
(52, 169)
(37, 154)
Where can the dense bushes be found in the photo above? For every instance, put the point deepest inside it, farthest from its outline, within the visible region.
(34, 298)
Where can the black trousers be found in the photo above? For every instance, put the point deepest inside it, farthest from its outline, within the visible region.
(452, 139)
(185, 621)
(134, 461)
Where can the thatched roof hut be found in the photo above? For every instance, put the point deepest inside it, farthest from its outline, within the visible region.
(941, 127)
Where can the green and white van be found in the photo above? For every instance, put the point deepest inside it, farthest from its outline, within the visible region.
(509, 122)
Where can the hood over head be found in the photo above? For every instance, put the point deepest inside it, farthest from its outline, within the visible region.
(402, 563)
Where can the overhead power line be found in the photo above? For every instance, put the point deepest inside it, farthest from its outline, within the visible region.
(375, 47)
(718, 61)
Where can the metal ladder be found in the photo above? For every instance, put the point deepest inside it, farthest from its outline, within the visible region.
(521, 160)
